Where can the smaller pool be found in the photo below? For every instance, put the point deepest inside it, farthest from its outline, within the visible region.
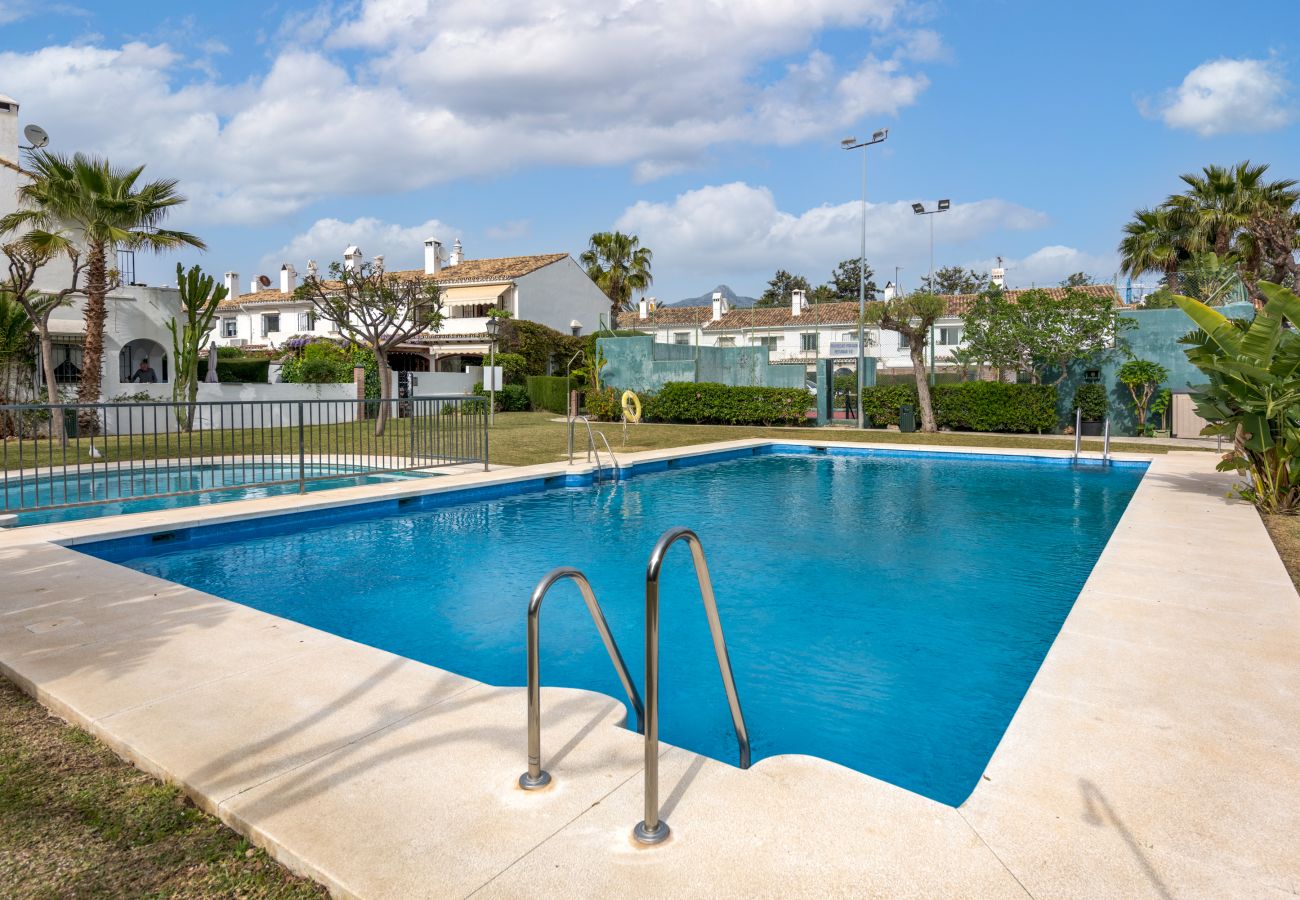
(135, 491)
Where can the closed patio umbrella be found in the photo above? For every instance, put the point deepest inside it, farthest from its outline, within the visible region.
(211, 377)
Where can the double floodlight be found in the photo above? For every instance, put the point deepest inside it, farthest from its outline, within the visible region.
(851, 143)
(920, 210)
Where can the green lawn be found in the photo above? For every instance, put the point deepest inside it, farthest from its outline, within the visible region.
(76, 821)
(524, 438)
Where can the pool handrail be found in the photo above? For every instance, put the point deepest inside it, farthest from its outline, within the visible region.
(652, 829)
(537, 777)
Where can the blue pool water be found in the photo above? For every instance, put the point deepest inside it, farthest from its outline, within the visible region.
(128, 491)
(886, 611)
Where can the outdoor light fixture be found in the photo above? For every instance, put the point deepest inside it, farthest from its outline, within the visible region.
(851, 143)
(493, 327)
(920, 210)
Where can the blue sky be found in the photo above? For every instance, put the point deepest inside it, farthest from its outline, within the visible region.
(522, 127)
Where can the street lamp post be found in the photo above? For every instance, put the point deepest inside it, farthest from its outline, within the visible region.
(852, 143)
(493, 329)
(920, 210)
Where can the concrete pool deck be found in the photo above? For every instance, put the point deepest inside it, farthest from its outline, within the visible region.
(1157, 752)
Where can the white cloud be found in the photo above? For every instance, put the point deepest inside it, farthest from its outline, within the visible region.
(401, 246)
(507, 231)
(1226, 96)
(1048, 266)
(422, 93)
(738, 228)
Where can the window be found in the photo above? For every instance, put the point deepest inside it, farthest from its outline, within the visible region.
(681, 337)
(849, 336)
(230, 328)
(904, 343)
(949, 335)
(270, 323)
(768, 342)
(808, 343)
(307, 321)
(67, 363)
(726, 342)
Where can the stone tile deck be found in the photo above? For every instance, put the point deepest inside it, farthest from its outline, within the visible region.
(1157, 752)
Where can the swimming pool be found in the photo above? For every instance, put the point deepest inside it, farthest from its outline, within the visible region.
(129, 490)
(884, 610)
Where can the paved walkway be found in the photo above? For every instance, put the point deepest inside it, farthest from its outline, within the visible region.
(1157, 752)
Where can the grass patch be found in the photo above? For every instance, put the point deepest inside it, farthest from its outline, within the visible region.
(76, 821)
(1285, 532)
(519, 439)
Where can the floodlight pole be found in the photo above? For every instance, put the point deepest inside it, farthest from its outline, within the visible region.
(853, 144)
(920, 210)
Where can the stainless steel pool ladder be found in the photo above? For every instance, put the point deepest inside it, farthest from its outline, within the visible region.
(592, 449)
(651, 829)
(1078, 437)
(537, 777)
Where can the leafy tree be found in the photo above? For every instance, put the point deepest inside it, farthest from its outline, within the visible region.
(378, 309)
(1153, 241)
(955, 280)
(1253, 369)
(844, 280)
(89, 202)
(199, 298)
(912, 316)
(1077, 279)
(780, 288)
(1160, 299)
(1142, 377)
(1038, 333)
(620, 266)
(25, 263)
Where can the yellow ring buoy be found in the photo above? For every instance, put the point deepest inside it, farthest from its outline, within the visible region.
(631, 406)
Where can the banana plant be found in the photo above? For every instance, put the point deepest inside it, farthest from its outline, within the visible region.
(1253, 393)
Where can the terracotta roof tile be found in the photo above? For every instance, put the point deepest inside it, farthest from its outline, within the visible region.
(666, 315)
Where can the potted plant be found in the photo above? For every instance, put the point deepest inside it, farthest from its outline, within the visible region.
(1160, 407)
(1090, 400)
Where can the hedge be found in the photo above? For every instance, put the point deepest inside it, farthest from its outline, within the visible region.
(710, 404)
(238, 371)
(548, 392)
(971, 405)
(995, 406)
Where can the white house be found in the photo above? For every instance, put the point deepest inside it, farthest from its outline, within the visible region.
(137, 314)
(800, 333)
(551, 289)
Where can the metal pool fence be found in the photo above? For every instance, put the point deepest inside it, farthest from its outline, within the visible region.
(74, 454)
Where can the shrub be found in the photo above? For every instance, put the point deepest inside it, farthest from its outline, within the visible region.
(238, 370)
(548, 392)
(513, 398)
(881, 402)
(970, 405)
(995, 406)
(1091, 400)
(229, 352)
(714, 404)
(543, 349)
(321, 362)
(514, 368)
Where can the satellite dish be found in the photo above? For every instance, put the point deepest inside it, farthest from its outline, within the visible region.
(37, 136)
(263, 281)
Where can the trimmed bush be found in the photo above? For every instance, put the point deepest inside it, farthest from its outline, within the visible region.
(881, 402)
(710, 404)
(513, 398)
(971, 406)
(548, 392)
(1091, 400)
(240, 370)
(514, 368)
(995, 406)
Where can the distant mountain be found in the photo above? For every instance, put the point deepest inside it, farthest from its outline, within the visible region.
(706, 298)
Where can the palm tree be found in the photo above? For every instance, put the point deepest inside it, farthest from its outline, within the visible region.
(87, 201)
(1154, 240)
(619, 265)
(1220, 201)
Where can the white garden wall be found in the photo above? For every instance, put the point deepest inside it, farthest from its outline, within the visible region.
(277, 406)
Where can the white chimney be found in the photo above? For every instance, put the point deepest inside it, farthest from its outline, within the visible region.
(254, 286)
(457, 253)
(379, 260)
(720, 305)
(288, 278)
(998, 275)
(643, 309)
(432, 256)
(890, 291)
(798, 301)
(232, 284)
(8, 130)
(352, 257)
